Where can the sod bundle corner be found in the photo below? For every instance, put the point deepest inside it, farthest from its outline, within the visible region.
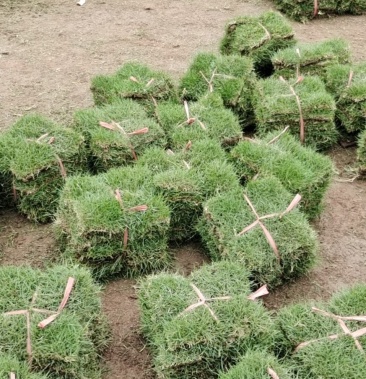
(71, 345)
(258, 365)
(230, 230)
(300, 169)
(303, 105)
(310, 59)
(204, 119)
(114, 223)
(134, 81)
(194, 341)
(231, 76)
(258, 38)
(11, 365)
(117, 134)
(310, 333)
(348, 84)
(361, 153)
(42, 154)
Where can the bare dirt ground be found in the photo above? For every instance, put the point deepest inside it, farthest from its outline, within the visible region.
(50, 50)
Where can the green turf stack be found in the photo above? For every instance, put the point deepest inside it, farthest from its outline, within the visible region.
(257, 365)
(300, 169)
(303, 10)
(6, 152)
(41, 155)
(310, 59)
(231, 76)
(205, 119)
(134, 81)
(227, 215)
(9, 364)
(114, 223)
(71, 345)
(323, 357)
(198, 344)
(348, 84)
(258, 38)
(279, 103)
(361, 153)
(126, 133)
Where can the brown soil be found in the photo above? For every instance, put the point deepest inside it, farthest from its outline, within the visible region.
(50, 50)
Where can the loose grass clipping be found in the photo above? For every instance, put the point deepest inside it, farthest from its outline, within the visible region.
(335, 330)
(39, 156)
(301, 103)
(261, 230)
(258, 38)
(117, 134)
(68, 347)
(114, 223)
(230, 76)
(300, 169)
(310, 59)
(348, 84)
(134, 81)
(195, 325)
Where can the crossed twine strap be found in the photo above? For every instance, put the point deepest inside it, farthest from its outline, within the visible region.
(346, 331)
(138, 208)
(46, 321)
(115, 126)
(259, 222)
(293, 92)
(190, 120)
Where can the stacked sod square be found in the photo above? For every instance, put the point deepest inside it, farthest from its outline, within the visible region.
(302, 103)
(114, 223)
(223, 229)
(205, 119)
(300, 169)
(190, 341)
(186, 179)
(231, 76)
(9, 364)
(361, 153)
(304, 10)
(6, 196)
(134, 81)
(258, 38)
(38, 155)
(348, 85)
(314, 340)
(71, 345)
(258, 365)
(116, 134)
(310, 59)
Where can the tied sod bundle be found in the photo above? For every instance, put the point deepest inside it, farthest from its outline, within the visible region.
(258, 38)
(38, 155)
(260, 230)
(195, 325)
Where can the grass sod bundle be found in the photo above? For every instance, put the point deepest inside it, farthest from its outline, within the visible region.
(258, 365)
(300, 169)
(314, 338)
(361, 153)
(134, 81)
(258, 38)
(231, 231)
(42, 155)
(114, 223)
(310, 59)
(230, 76)
(70, 346)
(9, 364)
(304, 10)
(117, 134)
(304, 105)
(205, 119)
(196, 341)
(348, 84)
